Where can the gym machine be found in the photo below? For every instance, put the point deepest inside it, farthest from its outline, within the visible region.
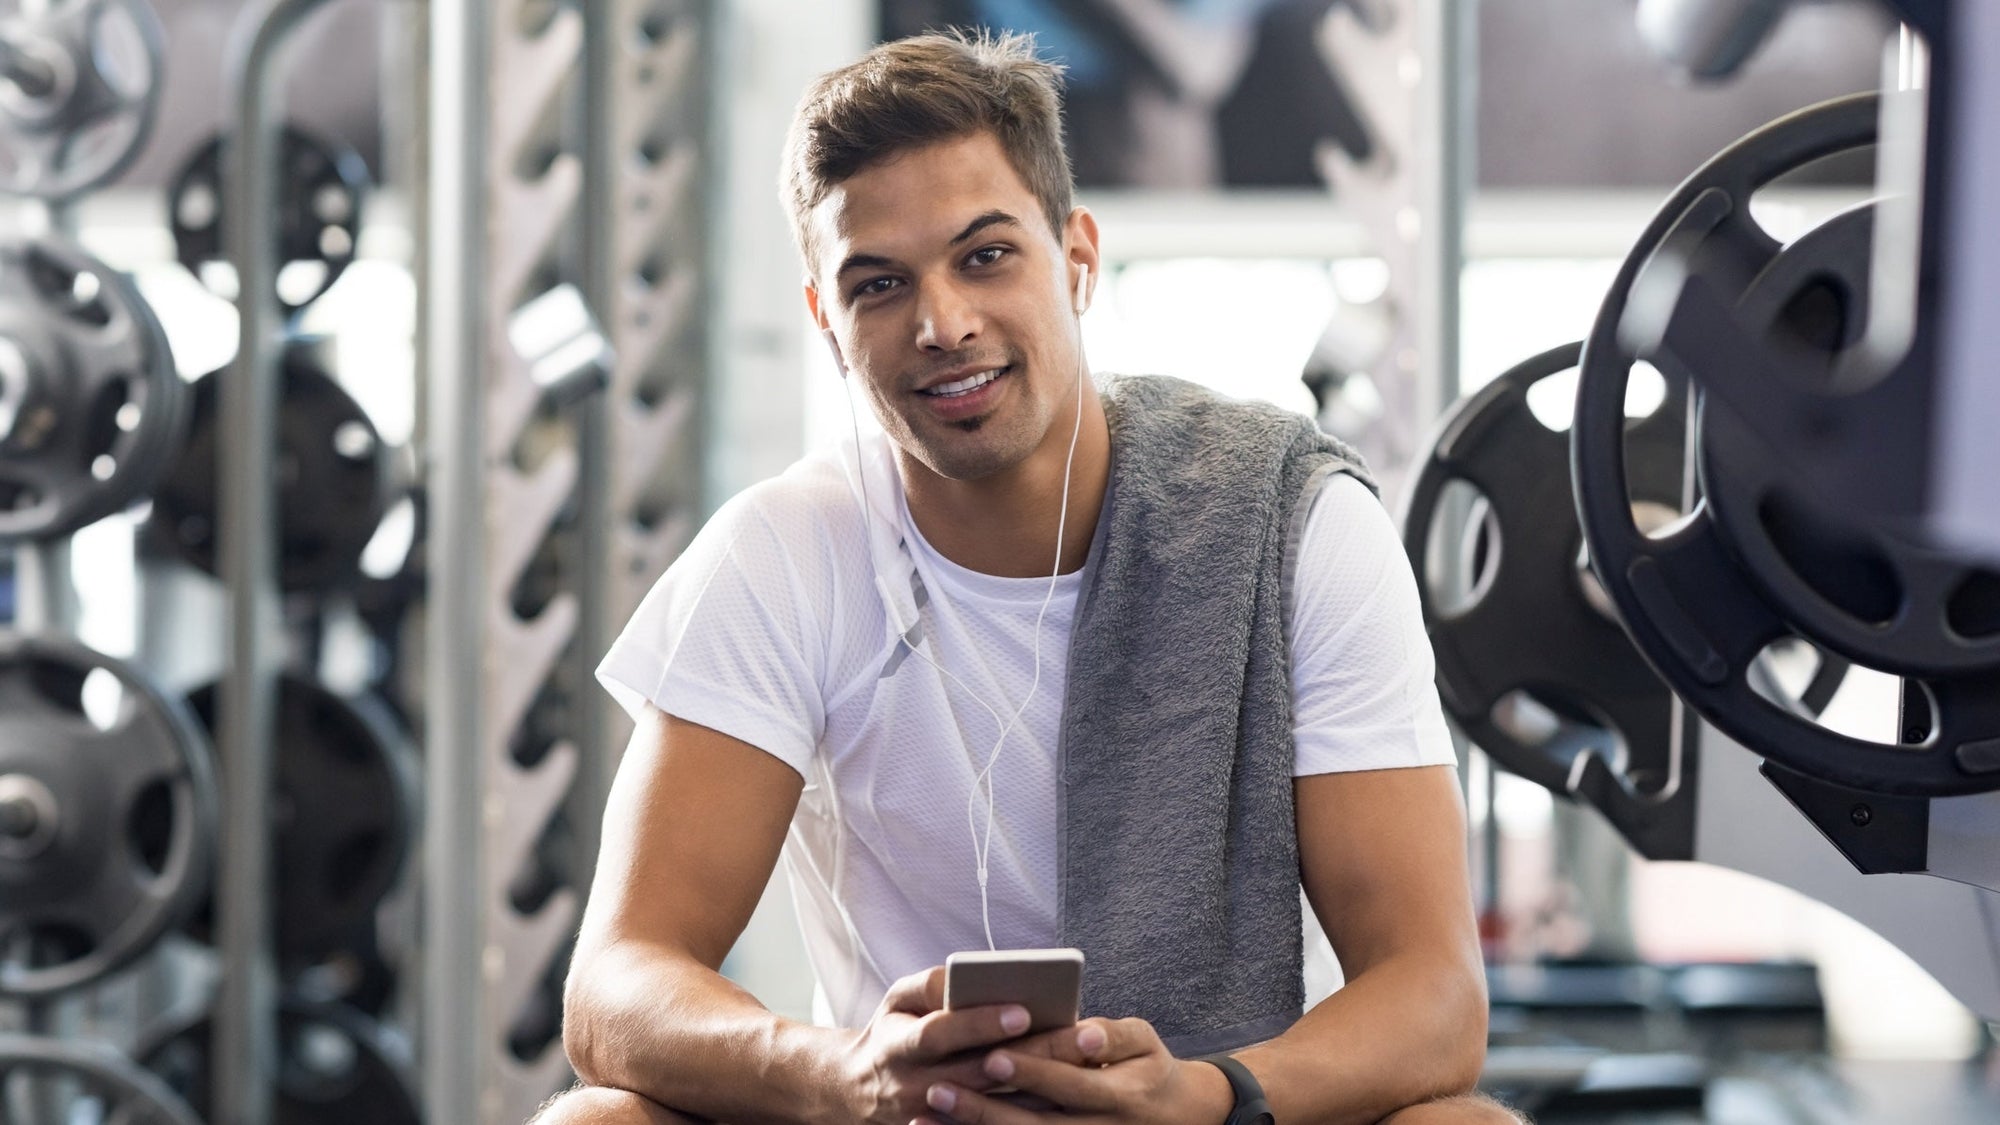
(1775, 521)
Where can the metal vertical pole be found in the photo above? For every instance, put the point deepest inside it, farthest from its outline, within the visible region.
(454, 226)
(600, 153)
(45, 596)
(245, 1047)
(1445, 41)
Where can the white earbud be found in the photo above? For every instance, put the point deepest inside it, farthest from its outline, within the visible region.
(1082, 301)
(833, 345)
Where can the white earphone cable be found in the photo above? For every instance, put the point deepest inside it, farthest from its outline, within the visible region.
(983, 846)
(984, 778)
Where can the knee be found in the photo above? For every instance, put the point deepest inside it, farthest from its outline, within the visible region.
(1465, 1109)
(600, 1105)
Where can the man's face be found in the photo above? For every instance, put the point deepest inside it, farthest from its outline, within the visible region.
(951, 297)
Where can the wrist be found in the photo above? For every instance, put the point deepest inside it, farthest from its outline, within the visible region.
(837, 1093)
(1212, 1098)
(1248, 1106)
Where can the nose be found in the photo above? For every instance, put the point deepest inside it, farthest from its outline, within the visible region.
(946, 317)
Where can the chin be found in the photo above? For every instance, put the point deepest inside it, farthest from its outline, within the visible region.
(970, 460)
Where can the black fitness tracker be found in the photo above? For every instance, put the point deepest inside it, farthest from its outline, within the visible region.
(1251, 1108)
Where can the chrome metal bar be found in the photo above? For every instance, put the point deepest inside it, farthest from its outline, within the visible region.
(245, 1060)
(45, 598)
(1447, 38)
(596, 432)
(455, 360)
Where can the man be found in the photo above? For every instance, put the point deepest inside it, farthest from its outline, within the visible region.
(1037, 667)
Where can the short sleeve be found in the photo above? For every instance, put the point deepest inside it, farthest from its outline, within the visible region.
(1363, 689)
(732, 636)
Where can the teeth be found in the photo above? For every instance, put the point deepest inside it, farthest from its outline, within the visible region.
(963, 386)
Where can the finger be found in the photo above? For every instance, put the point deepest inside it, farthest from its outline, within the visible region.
(940, 1035)
(1086, 1089)
(1122, 1039)
(967, 1069)
(978, 1109)
(918, 993)
(1086, 1044)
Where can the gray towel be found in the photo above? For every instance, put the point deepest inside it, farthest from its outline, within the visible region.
(1179, 869)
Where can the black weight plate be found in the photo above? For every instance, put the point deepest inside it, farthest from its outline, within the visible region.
(344, 811)
(1532, 627)
(91, 408)
(1857, 589)
(333, 480)
(1684, 596)
(122, 791)
(86, 1082)
(101, 62)
(322, 188)
(335, 1067)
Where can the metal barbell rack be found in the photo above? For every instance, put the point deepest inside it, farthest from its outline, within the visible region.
(498, 224)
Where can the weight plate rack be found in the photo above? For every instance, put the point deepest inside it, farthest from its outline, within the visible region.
(508, 189)
(1397, 62)
(109, 800)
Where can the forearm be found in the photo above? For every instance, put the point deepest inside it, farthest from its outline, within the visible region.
(1405, 1031)
(657, 1023)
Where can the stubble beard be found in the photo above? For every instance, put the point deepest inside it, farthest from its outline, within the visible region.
(1007, 446)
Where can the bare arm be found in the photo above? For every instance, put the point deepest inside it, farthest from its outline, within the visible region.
(692, 832)
(1382, 859)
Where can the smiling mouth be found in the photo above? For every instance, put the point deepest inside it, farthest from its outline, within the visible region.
(965, 386)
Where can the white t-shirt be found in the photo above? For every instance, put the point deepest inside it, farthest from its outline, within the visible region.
(771, 628)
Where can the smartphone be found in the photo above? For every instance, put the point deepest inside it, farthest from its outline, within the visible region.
(1047, 982)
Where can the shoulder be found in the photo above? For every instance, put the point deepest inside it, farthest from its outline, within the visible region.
(1146, 397)
(1348, 535)
(807, 507)
(793, 539)
(1188, 436)
(1343, 501)
(1181, 420)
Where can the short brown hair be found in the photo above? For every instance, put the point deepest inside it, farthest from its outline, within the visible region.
(922, 90)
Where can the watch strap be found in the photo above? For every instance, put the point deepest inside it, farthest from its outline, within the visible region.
(1251, 1108)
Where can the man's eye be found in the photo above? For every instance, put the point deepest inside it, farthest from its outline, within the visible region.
(987, 255)
(874, 285)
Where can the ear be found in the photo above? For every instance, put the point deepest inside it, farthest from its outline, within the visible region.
(813, 307)
(818, 314)
(1080, 246)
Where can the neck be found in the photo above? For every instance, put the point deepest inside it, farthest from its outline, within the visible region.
(1005, 524)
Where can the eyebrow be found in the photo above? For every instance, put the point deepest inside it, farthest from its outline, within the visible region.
(876, 261)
